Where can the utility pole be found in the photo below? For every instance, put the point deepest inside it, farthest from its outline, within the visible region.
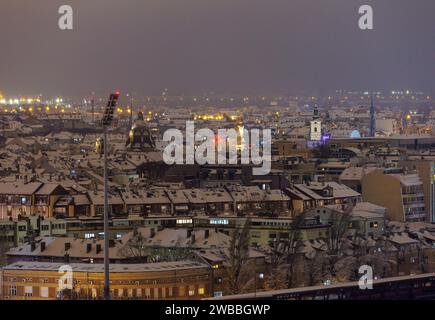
(107, 121)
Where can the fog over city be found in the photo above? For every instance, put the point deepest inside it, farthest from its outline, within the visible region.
(223, 150)
(225, 46)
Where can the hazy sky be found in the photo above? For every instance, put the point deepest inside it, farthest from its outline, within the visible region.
(193, 46)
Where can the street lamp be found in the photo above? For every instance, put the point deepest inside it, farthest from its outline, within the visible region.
(260, 277)
(107, 121)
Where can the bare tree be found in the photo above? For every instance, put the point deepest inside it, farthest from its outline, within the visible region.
(136, 247)
(318, 269)
(4, 246)
(339, 226)
(345, 269)
(238, 256)
(283, 257)
(277, 269)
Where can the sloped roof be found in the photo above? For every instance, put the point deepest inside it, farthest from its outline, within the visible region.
(19, 189)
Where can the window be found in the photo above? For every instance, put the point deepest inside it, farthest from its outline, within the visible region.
(120, 293)
(147, 293)
(181, 291)
(13, 291)
(374, 224)
(184, 221)
(191, 291)
(201, 290)
(219, 221)
(28, 291)
(43, 292)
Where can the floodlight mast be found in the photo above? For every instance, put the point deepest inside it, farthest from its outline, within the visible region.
(107, 121)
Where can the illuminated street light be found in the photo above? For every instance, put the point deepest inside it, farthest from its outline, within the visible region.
(107, 121)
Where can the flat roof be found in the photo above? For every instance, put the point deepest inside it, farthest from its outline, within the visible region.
(99, 268)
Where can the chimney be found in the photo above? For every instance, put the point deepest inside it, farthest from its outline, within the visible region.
(67, 246)
(88, 247)
(206, 234)
(98, 248)
(193, 238)
(189, 233)
(111, 243)
(32, 246)
(42, 246)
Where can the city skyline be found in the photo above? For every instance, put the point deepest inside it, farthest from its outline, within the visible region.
(229, 150)
(193, 47)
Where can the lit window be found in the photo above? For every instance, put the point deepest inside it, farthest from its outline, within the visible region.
(184, 221)
(181, 291)
(28, 291)
(219, 221)
(120, 292)
(12, 290)
(43, 292)
(201, 291)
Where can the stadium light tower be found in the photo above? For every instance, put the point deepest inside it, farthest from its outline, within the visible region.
(107, 121)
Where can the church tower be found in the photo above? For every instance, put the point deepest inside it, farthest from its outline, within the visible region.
(140, 137)
(316, 126)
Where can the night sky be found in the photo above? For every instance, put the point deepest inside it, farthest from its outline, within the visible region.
(225, 46)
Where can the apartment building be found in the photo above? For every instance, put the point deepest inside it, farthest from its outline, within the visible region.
(30, 280)
(426, 171)
(311, 195)
(401, 193)
(25, 199)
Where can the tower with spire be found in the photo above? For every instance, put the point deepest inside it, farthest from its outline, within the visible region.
(316, 126)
